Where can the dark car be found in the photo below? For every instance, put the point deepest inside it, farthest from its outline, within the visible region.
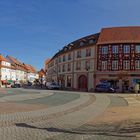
(104, 88)
(16, 85)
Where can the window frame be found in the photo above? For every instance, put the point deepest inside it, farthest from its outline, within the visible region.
(115, 65)
(115, 49)
(104, 65)
(125, 64)
(104, 49)
(126, 49)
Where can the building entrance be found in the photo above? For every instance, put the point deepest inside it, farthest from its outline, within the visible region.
(82, 83)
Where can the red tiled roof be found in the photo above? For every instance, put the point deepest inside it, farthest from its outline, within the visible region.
(3, 59)
(30, 68)
(119, 35)
(17, 64)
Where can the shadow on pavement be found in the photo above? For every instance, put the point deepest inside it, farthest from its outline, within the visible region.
(124, 133)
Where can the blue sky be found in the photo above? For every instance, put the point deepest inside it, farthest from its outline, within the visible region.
(33, 30)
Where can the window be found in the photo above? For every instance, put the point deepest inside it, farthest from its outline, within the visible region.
(137, 48)
(137, 64)
(114, 65)
(78, 65)
(82, 43)
(115, 49)
(63, 69)
(91, 41)
(88, 52)
(126, 64)
(69, 67)
(64, 58)
(104, 65)
(69, 56)
(105, 50)
(59, 69)
(126, 49)
(69, 81)
(87, 65)
(60, 59)
(78, 54)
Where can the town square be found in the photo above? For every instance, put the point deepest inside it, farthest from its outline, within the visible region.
(69, 70)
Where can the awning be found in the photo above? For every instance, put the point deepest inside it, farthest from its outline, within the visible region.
(10, 81)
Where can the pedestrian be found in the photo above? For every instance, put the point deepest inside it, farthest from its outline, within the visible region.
(136, 88)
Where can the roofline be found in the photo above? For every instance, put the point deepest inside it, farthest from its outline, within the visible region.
(76, 41)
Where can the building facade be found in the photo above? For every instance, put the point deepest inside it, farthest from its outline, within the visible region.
(111, 56)
(73, 66)
(12, 70)
(118, 57)
(5, 70)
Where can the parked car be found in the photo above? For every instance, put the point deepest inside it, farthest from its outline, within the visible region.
(9, 85)
(104, 88)
(16, 85)
(52, 86)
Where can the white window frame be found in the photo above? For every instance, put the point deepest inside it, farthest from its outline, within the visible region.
(126, 64)
(104, 65)
(137, 64)
(115, 65)
(115, 49)
(137, 49)
(104, 50)
(126, 48)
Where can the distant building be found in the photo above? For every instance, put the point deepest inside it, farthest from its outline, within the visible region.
(5, 70)
(46, 64)
(31, 73)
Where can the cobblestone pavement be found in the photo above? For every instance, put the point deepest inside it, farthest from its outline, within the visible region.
(67, 121)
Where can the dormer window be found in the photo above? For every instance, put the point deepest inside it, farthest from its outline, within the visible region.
(91, 41)
(81, 43)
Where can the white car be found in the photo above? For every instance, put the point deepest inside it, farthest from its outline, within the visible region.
(52, 86)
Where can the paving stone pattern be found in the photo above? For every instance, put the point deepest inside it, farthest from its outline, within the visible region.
(63, 122)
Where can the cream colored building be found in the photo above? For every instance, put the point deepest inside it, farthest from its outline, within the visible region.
(73, 66)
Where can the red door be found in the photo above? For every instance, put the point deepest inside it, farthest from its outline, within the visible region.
(82, 83)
